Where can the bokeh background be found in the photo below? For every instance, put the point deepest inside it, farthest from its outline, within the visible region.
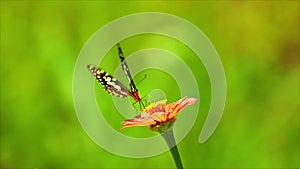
(258, 43)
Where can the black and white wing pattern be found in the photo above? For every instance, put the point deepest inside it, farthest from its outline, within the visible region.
(134, 93)
(110, 84)
(126, 69)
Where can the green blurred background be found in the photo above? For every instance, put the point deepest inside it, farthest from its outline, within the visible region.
(258, 43)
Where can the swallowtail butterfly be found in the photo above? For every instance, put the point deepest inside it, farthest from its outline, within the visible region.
(112, 85)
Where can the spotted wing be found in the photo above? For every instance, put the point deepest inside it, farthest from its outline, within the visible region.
(110, 84)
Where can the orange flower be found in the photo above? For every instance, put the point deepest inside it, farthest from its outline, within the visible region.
(159, 116)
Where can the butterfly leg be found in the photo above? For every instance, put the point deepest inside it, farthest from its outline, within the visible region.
(142, 106)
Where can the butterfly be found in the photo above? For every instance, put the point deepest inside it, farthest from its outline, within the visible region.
(115, 87)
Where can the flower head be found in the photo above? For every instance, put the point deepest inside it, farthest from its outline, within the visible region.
(159, 116)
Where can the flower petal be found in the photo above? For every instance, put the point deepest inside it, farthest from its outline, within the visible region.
(137, 122)
(158, 106)
(174, 108)
(145, 119)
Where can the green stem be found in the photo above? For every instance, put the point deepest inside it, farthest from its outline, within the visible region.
(169, 138)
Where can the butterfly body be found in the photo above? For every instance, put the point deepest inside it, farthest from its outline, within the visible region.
(135, 95)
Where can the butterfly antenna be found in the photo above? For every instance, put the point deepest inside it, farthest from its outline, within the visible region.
(142, 79)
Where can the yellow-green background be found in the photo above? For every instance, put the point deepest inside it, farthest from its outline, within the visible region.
(258, 43)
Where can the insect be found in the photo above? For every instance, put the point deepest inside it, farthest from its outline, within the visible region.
(115, 87)
(133, 89)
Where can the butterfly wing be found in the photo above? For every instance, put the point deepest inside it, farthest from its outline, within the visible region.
(110, 84)
(126, 69)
